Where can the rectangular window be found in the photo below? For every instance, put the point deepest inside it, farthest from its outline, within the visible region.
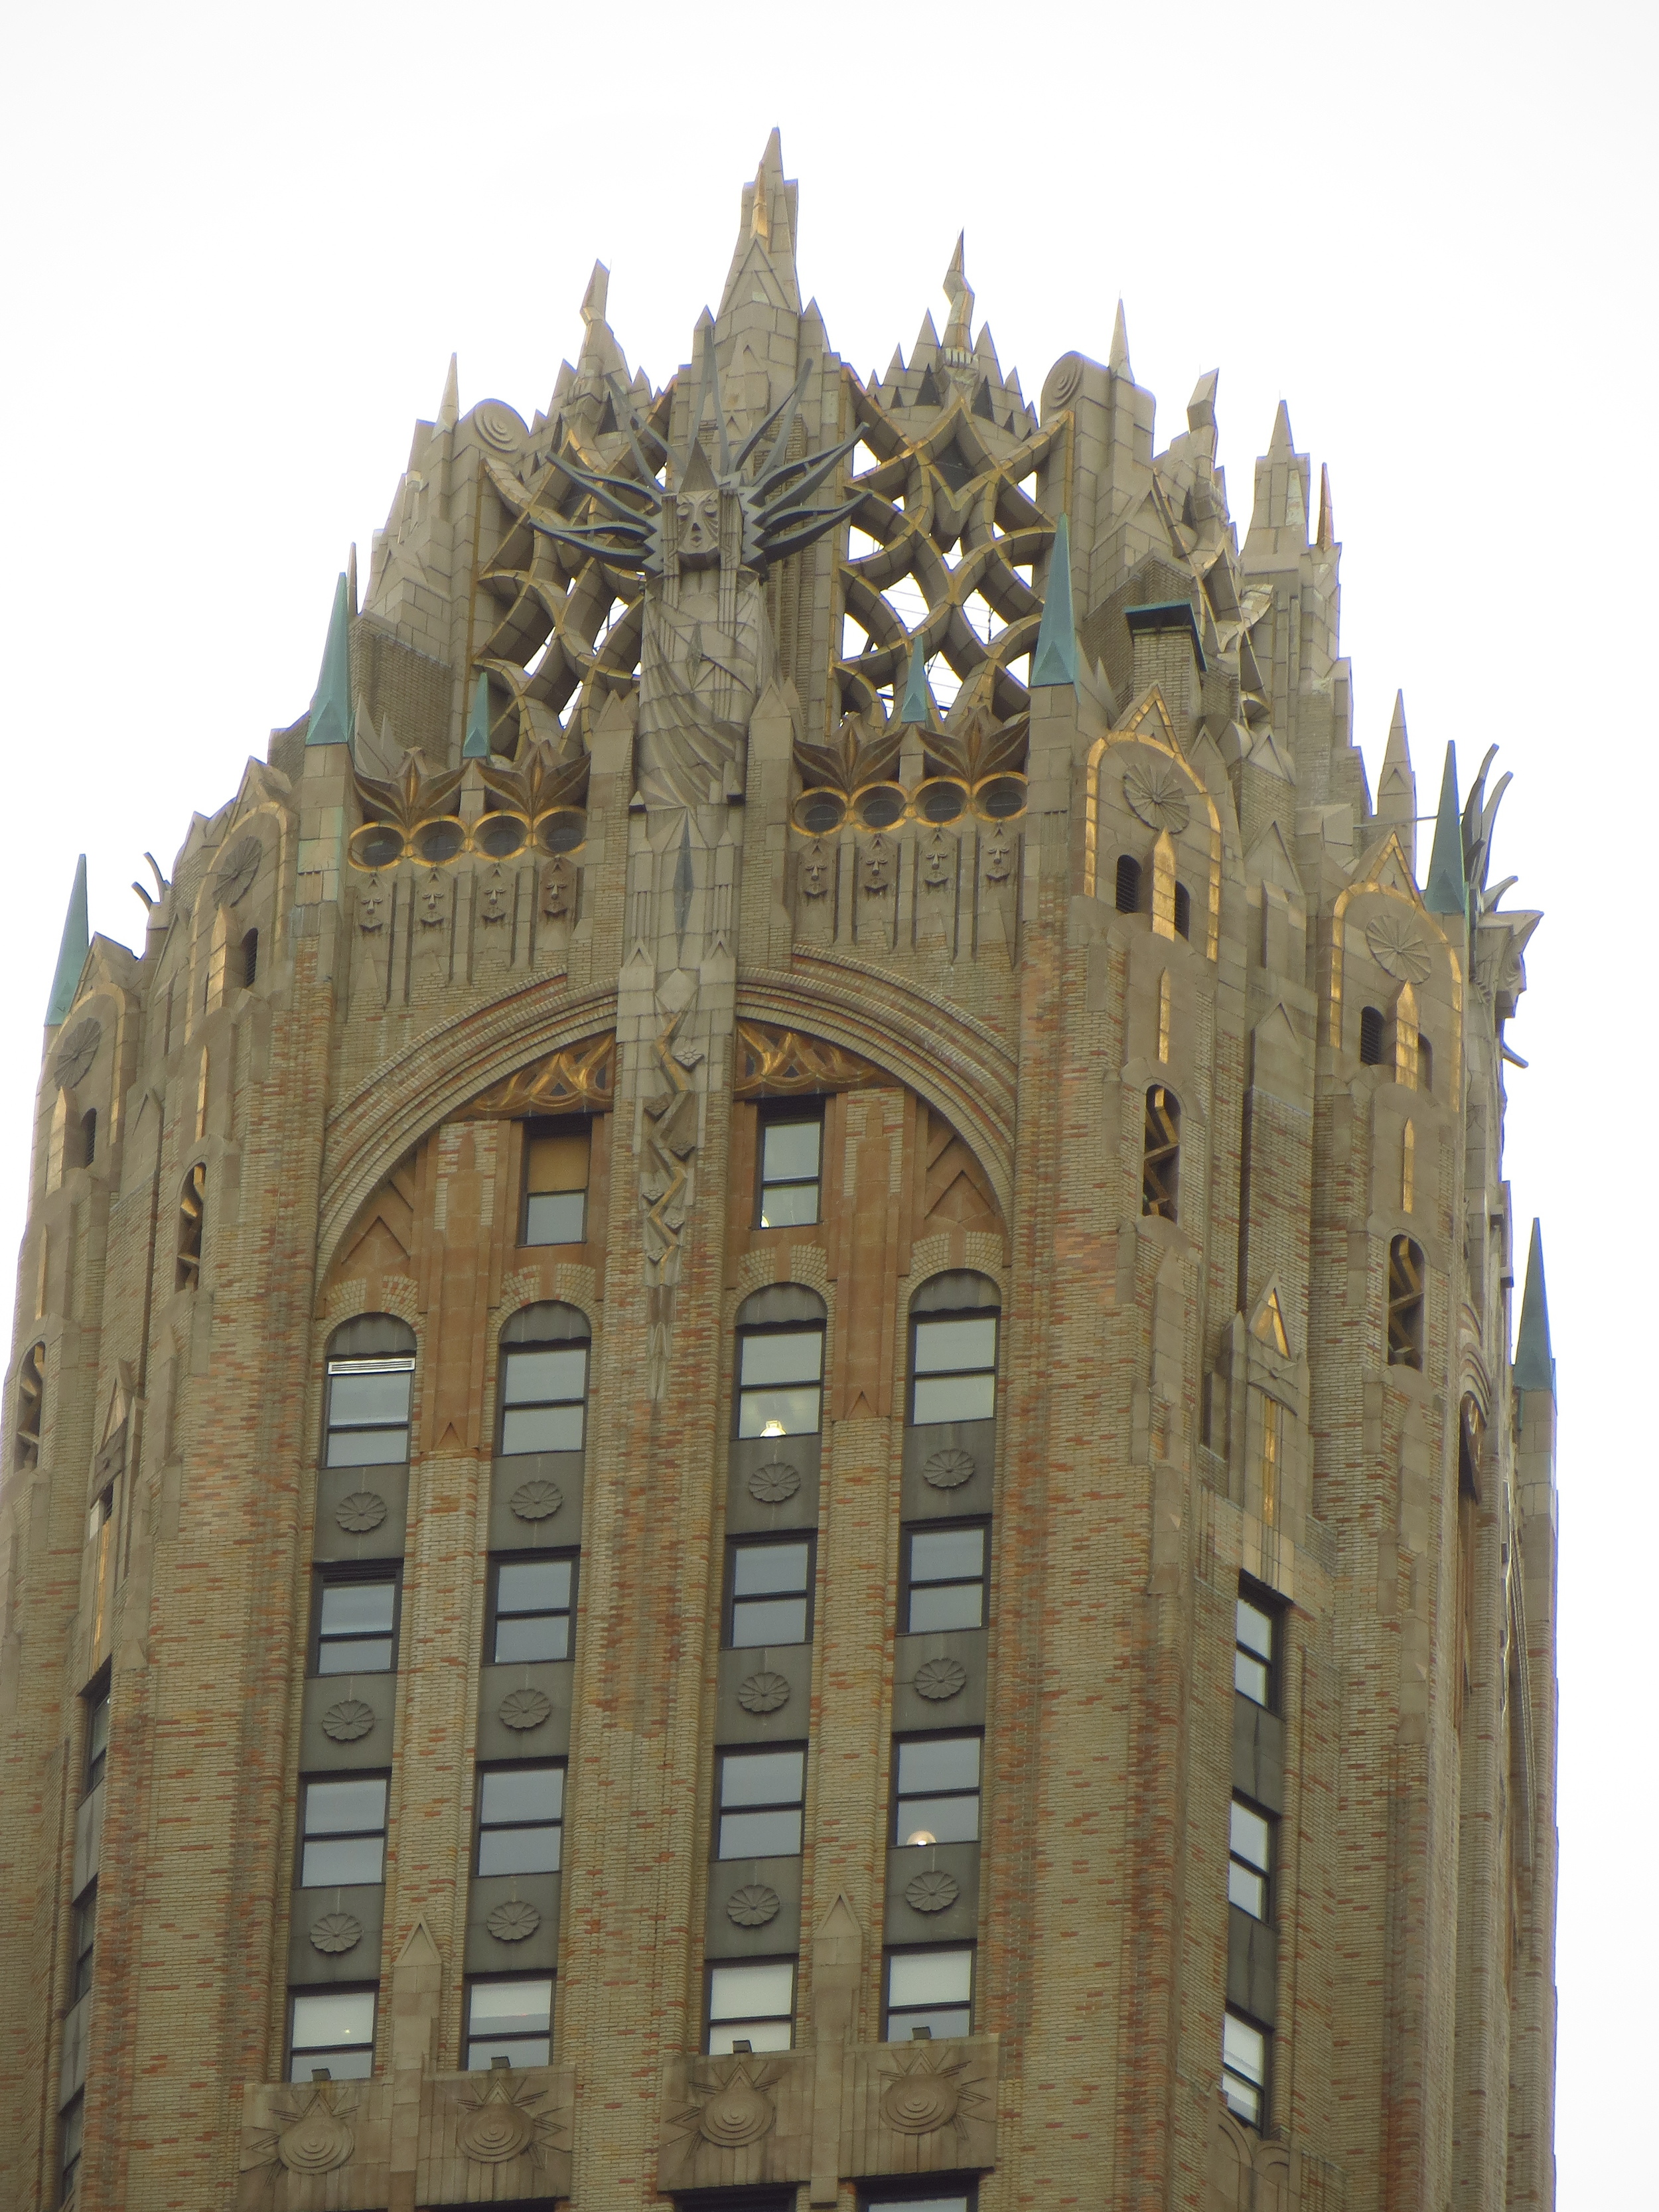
(532, 1601)
(1243, 2068)
(334, 2028)
(890, 2197)
(85, 1935)
(511, 2020)
(944, 1577)
(930, 1993)
(752, 2004)
(761, 1795)
(368, 1411)
(771, 1592)
(345, 1834)
(1253, 1654)
(70, 2128)
(97, 1738)
(544, 1391)
(555, 1185)
(520, 1820)
(955, 1369)
(780, 1382)
(356, 1626)
(1249, 1862)
(936, 1790)
(791, 1147)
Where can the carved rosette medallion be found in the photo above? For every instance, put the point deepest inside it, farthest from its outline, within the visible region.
(77, 1053)
(514, 1921)
(1398, 948)
(1157, 795)
(948, 1469)
(524, 1708)
(359, 1511)
(934, 1892)
(937, 1680)
(773, 1482)
(336, 1932)
(348, 1720)
(235, 879)
(763, 1693)
(535, 1501)
(497, 426)
(753, 1905)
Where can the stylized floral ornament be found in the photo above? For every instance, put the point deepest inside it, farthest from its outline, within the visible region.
(359, 1511)
(524, 1708)
(535, 1501)
(345, 1723)
(937, 1680)
(763, 1693)
(514, 1921)
(753, 1905)
(948, 1469)
(1398, 948)
(934, 1892)
(773, 1482)
(928, 2088)
(313, 2136)
(336, 1932)
(77, 1053)
(1158, 796)
(500, 2120)
(731, 2107)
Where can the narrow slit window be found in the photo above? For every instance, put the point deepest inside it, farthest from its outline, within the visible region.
(343, 1844)
(930, 1994)
(1128, 884)
(368, 1411)
(70, 2129)
(944, 1579)
(544, 1397)
(332, 2031)
(558, 1161)
(936, 1791)
(752, 2004)
(250, 959)
(509, 2019)
(761, 1796)
(533, 1600)
(954, 1369)
(771, 1594)
(780, 1382)
(1273, 1447)
(85, 1936)
(1160, 1161)
(791, 1157)
(31, 1399)
(192, 1209)
(520, 1820)
(1372, 1026)
(97, 1738)
(1405, 1303)
(89, 1137)
(1183, 911)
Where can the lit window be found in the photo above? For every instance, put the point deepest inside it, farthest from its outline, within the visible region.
(790, 1150)
(929, 1992)
(368, 1411)
(544, 1390)
(533, 1603)
(356, 1625)
(780, 1382)
(557, 1164)
(1160, 1159)
(97, 1738)
(936, 1791)
(520, 1820)
(85, 1935)
(944, 1579)
(752, 2004)
(511, 2020)
(1253, 1653)
(761, 1794)
(1405, 1303)
(1250, 1863)
(1244, 2068)
(332, 2030)
(771, 1592)
(344, 1833)
(955, 1368)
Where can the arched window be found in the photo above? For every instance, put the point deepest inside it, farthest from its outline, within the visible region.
(1183, 911)
(953, 1348)
(1405, 1303)
(193, 1207)
(780, 1382)
(31, 1397)
(1128, 884)
(1372, 1026)
(544, 1391)
(88, 1136)
(371, 1375)
(1160, 1159)
(250, 958)
(1424, 1063)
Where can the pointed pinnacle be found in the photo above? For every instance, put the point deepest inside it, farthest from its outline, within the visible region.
(1200, 408)
(917, 706)
(1399, 745)
(352, 578)
(1446, 891)
(1279, 446)
(958, 329)
(476, 743)
(1325, 536)
(72, 951)
(1118, 360)
(598, 294)
(1055, 660)
(1535, 1364)
(449, 407)
(330, 722)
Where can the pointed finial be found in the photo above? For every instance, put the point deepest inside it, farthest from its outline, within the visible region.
(449, 407)
(760, 208)
(1446, 891)
(351, 579)
(1296, 511)
(1118, 359)
(1325, 536)
(918, 706)
(959, 326)
(1399, 746)
(331, 703)
(1200, 408)
(1055, 660)
(72, 951)
(1279, 446)
(476, 743)
(596, 295)
(1534, 1364)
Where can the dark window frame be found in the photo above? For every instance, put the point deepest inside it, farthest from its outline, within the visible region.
(877, 2196)
(89, 1137)
(336, 1575)
(507, 1354)
(976, 1735)
(893, 1951)
(95, 1700)
(712, 1966)
(1126, 883)
(248, 952)
(1183, 911)
(1263, 2119)
(519, 1825)
(1408, 1303)
(1267, 1874)
(1160, 1154)
(1264, 1601)
(727, 1752)
(774, 1539)
(569, 1556)
(297, 1994)
(796, 1113)
(1373, 1035)
(557, 1125)
(908, 1533)
(71, 2122)
(345, 1365)
(475, 1982)
(83, 1938)
(754, 1329)
(302, 1835)
(927, 1319)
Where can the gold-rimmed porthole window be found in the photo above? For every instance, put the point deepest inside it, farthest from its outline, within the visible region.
(376, 845)
(500, 834)
(561, 830)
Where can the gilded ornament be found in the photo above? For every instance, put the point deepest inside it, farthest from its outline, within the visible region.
(934, 1892)
(774, 1481)
(936, 1680)
(349, 1721)
(77, 1053)
(753, 1905)
(359, 1511)
(948, 1469)
(514, 1921)
(1398, 948)
(1158, 795)
(524, 1708)
(535, 1501)
(336, 1932)
(764, 1692)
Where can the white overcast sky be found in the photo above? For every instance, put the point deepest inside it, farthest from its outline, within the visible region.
(239, 244)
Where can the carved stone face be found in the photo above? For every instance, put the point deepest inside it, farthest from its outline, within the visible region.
(698, 539)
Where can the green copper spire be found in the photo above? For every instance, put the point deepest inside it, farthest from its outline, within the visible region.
(918, 698)
(1446, 891)
(72, 952)
(331, 704)
(1535, 1365)
(1055, 660)
(476, 743)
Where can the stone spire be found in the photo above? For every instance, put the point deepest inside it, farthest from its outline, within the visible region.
(331, 704)
(762, 271)
(1325, 536)
(959, 339)
(1118, 360)
(1446, 891)
(72, 951)
(1055, 660)
(1396, 789)
(1535, 1362)
(476, 743)
(449, 407)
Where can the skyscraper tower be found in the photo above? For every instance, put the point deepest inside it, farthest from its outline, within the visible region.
(761, 1446)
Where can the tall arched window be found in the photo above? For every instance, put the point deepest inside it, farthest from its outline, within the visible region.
(1183, 911)
(1128, 884)
(953, 1348)
(193, 1208)
(31, 1398)
(1405, 1303)
(250, 959)
(371, 1375)
(1160, 1159)
(543, 1388)
(780, 1380)
(88, 1136)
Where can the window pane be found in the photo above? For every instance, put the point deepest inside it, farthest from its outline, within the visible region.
(349, 2065)
(351, 1861)
(761, 1835)
(331, 2020)
(760, 1567)
(510, 2007)
(557, 1218)
(779, 1412)
(1250, 1677)
(533, 1586)
(763, 1777)
(534, 1377)
(789, 1151)
(541, 1428)
(522, 1793)
(1249, 1836)
(1248, 1890)
(947, 1346)
(358, 1655)
(955, 1398)
(956, 2020)
(526, 1643)
(758, 2034)
(944, 1820)
(756, 1622)
(785, 1355)
(518, 1851)
(949, 1605)
(919, 1978)
(522, 2050)
(736, 1991)
(357, 1606)
(947, 1762)
(557, 1163)
(955, 2203)
(348, 1807)
(368, 1447)
(1256, 1629)
(943, 1555)
(789, 1205)
(1243, 2049)
(360, 1401)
